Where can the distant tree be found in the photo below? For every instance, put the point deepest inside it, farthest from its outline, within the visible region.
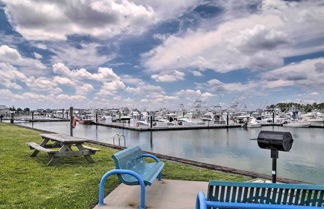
(26, 109)
(19, 109)
(285, 107)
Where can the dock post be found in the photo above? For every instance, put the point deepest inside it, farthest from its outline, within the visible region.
(12, 117)
(71, 121)
(227, 121)
(273, 116)
(151, 121)
(96, 117)
(32, 115)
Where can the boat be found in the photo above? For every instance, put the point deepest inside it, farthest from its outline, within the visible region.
(297, 124)
(85, 120)
(209, 116)
(316, 122)
(253, 124)
(142, 123)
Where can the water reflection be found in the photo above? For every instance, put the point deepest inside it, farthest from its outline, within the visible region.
(227, 147)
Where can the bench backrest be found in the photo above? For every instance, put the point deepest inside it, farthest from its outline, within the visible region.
(128, 159)
(266, 193)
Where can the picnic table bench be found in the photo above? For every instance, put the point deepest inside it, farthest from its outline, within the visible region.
(133, 170)
(222, 194)
(64, 143)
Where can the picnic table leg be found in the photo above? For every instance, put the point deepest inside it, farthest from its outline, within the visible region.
(87, 157)
(44, 142)
(53, 160)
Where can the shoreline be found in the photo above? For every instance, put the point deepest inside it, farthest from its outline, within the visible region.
(194, 163)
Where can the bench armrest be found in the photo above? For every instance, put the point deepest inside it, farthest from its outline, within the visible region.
(151, 156)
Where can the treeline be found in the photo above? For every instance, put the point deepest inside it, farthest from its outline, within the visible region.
(285, 107)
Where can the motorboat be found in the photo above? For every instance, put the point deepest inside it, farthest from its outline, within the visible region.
(297, 124)
(85, 120)
(209, 116)
(316, 122)
(253, 123)
(142, 123)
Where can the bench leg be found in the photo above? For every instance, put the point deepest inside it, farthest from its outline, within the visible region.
(44, 142)
(87, 157)
(34, 154)
(53, 160)
(159, 176)
(120, 171)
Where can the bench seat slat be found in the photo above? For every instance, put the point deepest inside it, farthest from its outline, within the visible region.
(265, 193)
(91, 148)
(149, 173)
(35, 146)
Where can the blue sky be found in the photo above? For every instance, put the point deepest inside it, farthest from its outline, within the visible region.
(151, 54)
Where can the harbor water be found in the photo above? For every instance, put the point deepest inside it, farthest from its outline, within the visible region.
(226, 147)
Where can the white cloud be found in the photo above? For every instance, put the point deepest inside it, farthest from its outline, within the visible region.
(38, 56)
(87, 55)
(43, 84)
(197, 73)
(12, 56)
(190, 94)
(110, 88)
(256, 41)
(216, 85)
(175, 76)
(104, 74)
(63, 81)
(132, 80)
(48, 20)
(9, 76)
(307, 73)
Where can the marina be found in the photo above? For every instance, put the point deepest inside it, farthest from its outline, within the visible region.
(141, 104)
(233, 147)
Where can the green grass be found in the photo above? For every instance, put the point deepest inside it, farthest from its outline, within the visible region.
(72, 183)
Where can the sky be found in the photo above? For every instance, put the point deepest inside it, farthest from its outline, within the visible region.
(149, 54)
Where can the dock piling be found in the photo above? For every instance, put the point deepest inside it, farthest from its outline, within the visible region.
(12, 117)
(71, 121)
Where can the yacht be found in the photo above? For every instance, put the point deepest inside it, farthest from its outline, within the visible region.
(297, 124)
(253, 123)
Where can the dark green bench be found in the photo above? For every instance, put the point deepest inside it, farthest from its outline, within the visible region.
(222, 194)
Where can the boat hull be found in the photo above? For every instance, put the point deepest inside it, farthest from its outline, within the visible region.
(297, 125)
(85, 122)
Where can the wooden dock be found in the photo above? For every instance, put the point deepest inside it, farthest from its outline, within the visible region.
(177, 127)
(165, 128)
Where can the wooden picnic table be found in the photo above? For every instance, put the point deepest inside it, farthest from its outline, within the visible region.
(65, 144)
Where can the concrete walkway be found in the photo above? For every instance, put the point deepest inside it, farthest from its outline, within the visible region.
(165, 194)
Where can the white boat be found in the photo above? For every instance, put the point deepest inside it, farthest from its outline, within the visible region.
(142, 123)
(209, 116)
(253, 123)
(297, 124)
(316, 122)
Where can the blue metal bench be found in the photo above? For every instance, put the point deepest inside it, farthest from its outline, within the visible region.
(223, 194)
(133, 170)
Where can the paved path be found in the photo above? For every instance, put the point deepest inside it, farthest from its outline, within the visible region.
(165, 194)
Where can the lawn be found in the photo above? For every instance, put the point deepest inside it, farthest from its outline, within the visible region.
(72, 183)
